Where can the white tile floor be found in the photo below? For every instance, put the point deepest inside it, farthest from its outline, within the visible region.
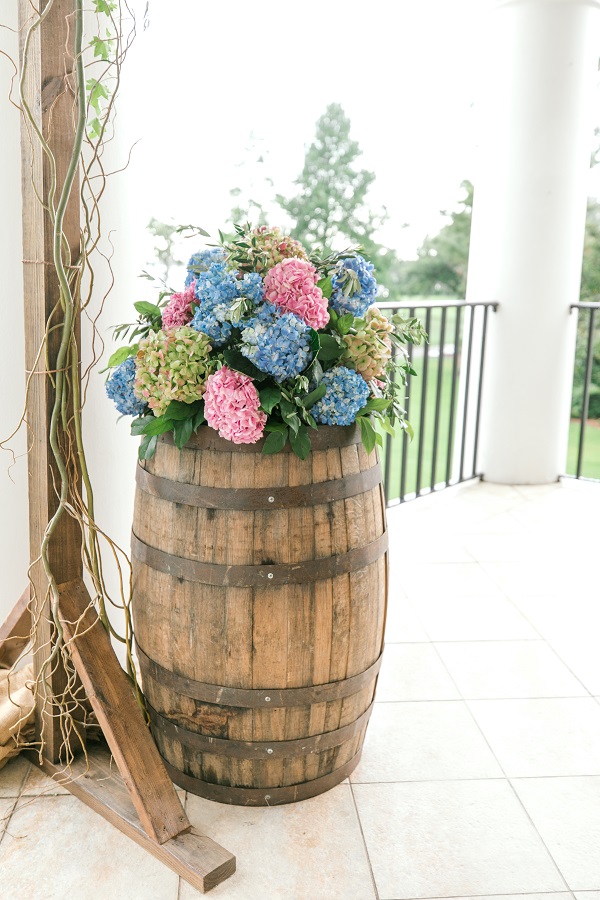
(481, 771)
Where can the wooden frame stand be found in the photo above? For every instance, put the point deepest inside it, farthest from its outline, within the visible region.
(141, 801)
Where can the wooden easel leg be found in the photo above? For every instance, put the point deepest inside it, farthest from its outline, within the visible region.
(15, 631)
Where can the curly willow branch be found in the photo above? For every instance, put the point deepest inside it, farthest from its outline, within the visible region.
(65, 431)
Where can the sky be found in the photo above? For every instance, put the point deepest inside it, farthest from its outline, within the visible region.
(211, 85)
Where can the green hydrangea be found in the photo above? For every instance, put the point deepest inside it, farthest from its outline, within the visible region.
(172, 365)
(369, 350)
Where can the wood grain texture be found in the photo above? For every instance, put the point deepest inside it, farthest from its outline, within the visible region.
(47, 85)
(229, 647)
(152, 794)
(198, 859)
(15, 631)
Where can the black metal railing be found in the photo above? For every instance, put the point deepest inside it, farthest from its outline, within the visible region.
(443, 403)
(586, 394)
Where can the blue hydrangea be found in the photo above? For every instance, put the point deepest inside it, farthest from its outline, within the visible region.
(252, 287)
(217, 285)
(278, 345)
(264, 314)
(358, 302)
(213, 324)
(119, 389)
(201, 261)
(347, 392)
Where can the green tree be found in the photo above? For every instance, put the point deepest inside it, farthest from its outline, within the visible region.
(590, 292)
(441, 266)
(164, 245)
(330, 207)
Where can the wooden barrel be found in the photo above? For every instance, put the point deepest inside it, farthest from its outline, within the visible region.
(260, 589)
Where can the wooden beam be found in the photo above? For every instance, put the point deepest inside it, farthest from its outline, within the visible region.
(112, 698)
(193, 855)
(50, 97)
(15, 631)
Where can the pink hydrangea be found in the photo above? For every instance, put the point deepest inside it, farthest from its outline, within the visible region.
(231, 407)
(292, 285)
(178, 310)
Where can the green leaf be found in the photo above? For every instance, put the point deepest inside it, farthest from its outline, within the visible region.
(326, 286)
(314, 396)
(158, 426)
(176, 410)
(104, 6)
(379, 439)
(367, 433)
(300, 442)
(275, 442)
(387, 427)
(101, 47)
(94, 128)
(331, 348)
(410, 431)
(315, 341)
(276, 426)
(236, 360)
(150, 310)
(269, 397)
(148, 447)
(138, 425)
(199, 419)
(317, 371)
(375, 404)
(182, 432)
(289, 414)
(120, 355)
(345, 323)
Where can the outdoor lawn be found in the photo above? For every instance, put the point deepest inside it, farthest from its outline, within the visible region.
(426, 429)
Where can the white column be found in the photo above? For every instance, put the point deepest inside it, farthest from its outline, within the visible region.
(536, 115)
(14, 533)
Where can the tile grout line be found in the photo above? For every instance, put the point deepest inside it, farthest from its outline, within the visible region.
(546, 641)
(501, 767)
(362, 834)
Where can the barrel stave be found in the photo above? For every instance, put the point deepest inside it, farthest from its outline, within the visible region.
(280, 636)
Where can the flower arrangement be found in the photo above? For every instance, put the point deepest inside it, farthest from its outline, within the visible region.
(266, 339)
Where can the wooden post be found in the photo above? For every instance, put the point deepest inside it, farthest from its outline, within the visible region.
(48, 76)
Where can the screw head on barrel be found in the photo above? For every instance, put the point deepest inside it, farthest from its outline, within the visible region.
(271, 499)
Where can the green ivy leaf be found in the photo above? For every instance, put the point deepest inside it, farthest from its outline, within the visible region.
(150, 310)
(367, 433)
(275, 442)
(314, 396)
(148, 447)
(300, 442)
(102, 47)
(269, 398)
(104, 6)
